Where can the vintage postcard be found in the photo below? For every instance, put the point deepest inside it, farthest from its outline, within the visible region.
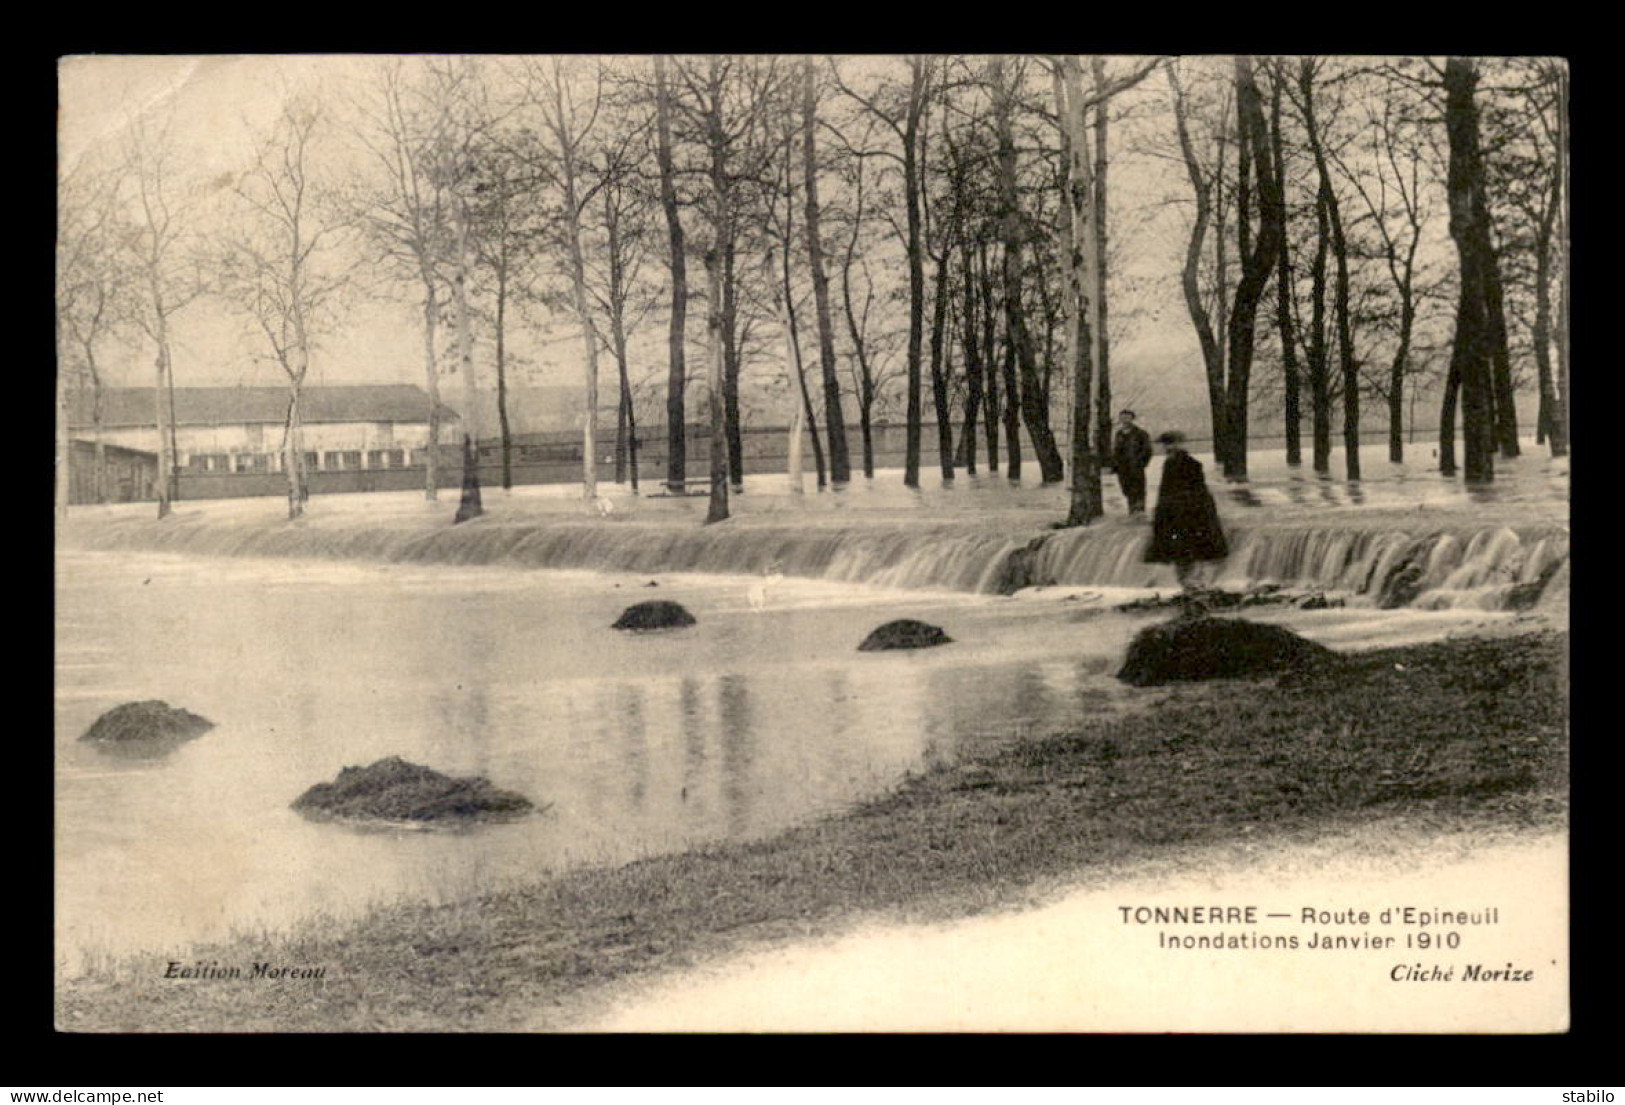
(768, 543)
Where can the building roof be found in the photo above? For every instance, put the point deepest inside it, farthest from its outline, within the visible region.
(113, 450)
(232, 406)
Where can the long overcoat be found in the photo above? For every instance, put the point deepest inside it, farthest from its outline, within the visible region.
(1185, 526)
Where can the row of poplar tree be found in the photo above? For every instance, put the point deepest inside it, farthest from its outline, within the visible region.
(923, 230)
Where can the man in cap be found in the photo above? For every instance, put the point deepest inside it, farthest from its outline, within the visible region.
(1131, 452)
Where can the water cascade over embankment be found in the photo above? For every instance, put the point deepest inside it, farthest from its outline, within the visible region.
(1485, 567)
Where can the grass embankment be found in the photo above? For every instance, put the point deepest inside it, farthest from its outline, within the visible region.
(1459, 733)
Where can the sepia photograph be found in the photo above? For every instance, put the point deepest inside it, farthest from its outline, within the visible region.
(788, 543)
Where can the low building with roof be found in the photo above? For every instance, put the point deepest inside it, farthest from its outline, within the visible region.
(241, 429)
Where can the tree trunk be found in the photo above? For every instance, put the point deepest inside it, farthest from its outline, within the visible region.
(1257, 257)
(1553, 418)
(676, 445)
(730, 368)
(1102, 336)
(1190, 274)
(973, 361)
(1012, 412)
(792, 460)
(502, 379)
(1078, 212)
(174, 423)
(840, 465)
(1340, 301)
(578, 278)
(990, 358)
(431, 374)
(97, 414)
(1447, 419)
(860, 351)
(801, 377)
(1283, 293)
(1320, 401)
(1396, 379)
(1503, 399)
(465, 356)
(290, 456)
(939, 382)
(161, 409)
(914, 416)
(620, 422)
(1032, 411)
(1561, 184)
(627, 422)
(718, 509)
(1471, 352)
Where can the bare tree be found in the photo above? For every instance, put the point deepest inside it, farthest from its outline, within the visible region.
(783, 233)
(161, 248)
(278, 265)
(902, 109)
(840, 466)
(623, 228)
(1014, 229)
(511, 221)
(676, 444)
(1476, 333)
(1331, 207)
(93, 286)
(570, 123)
(1078, 220)
(407, 213)
(1203, 189)
(1392, 189)
(717, 509)
(457, 92)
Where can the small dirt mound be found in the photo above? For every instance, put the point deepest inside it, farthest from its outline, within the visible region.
(659, 614)
(1189, 649)
(904, 633)
(395, 790)
(1207, 599)
(146, 722)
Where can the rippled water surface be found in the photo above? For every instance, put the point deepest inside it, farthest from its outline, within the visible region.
(748, 721)
(760, 716)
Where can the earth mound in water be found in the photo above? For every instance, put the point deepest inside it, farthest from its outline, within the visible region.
(904, 633)
(147, 722)
(1205, 600)
(394, 790)
(659, 614)
(1201, 647)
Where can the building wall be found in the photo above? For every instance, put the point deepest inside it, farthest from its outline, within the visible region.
(226, 443)
(129, 477)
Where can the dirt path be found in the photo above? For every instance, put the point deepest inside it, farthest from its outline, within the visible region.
(1074, 964)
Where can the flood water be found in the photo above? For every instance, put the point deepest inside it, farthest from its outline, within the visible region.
(761, 716)
(748, 721)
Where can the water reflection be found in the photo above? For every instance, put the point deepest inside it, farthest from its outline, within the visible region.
(747, 722)
(693, 731)
(634, 743)
(734, 717)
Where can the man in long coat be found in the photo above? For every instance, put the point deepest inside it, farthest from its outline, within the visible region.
(1131, 452)
(1185, 528)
